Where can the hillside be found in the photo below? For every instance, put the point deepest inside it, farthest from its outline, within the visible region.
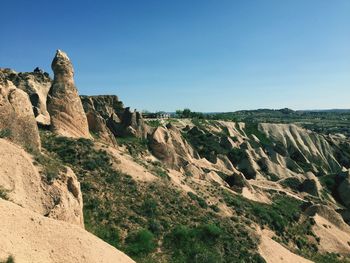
(162, 190)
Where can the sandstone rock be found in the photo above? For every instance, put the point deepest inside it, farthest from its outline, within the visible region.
(311, 185)
(237, 180)
(131, 124)
(328, 213)
(344, 189)
(122, 122)
(17, 119)
(105, 105)
(37, 85)
(98, 126)
(33, 238)
(60, 199)
(169, 146)
(64, 104)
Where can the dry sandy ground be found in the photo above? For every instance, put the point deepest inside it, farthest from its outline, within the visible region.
(30, 238)
(332, 239)
(273, 252)
(126, 164)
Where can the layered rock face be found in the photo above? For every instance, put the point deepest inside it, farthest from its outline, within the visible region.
(17, 121)
(167, 144)
(64, 105)
(37, 85)
(119, 121)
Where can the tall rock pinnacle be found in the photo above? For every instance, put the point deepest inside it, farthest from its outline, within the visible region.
(64, 105)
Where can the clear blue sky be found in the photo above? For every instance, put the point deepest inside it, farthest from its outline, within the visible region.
(208, 55)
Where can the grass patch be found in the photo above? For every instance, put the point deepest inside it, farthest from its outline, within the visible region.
(5, 133)
(134, 145)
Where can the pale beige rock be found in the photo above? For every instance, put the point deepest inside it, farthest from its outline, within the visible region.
(168, 145)
(64, 104)
(273, 252)
(16, 116)
(60, 199)
(32, 238)
(37, 85)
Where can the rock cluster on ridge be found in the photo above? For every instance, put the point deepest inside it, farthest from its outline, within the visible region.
(37, 85)
(64, 105)
(119, 121)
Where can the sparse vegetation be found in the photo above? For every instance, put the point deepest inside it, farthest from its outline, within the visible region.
(137, 218)
(51, 166)
(10, 259)
(4, 193)
(139, 243)
(5, 133)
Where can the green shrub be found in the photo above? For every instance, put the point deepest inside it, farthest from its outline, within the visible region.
(140, 243)
(201, 202)
(5, 133)
(51, 167)
(278, 216)
(4, 193)
(292, 182)
(110, 233)
(154, 123)
(149, 207)
(10, 259)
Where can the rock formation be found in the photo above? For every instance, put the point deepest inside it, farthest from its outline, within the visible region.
(167, 144)
(64, 105)
(30, 237)
(60, 199)
(344, 189)
(37, 85)
(17, 121)
(121, 122)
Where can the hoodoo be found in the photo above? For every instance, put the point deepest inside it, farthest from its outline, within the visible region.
(64, 105)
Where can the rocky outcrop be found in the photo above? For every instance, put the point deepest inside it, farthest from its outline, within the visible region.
(17, 121)
(33, 238)
(104, 105)
(60, 199)
(167, 144)
(344, 188)
(120, 121)
(64, 104)
(309, 150)
(37, 85)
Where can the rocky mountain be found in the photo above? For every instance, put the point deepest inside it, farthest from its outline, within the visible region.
(161, 190)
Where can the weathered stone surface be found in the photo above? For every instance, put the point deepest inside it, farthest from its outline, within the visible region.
(64, 104)
(17, 121)
(37, 85)
(122, 122)
(61, 199)
(30, 237)
(344, 189)
(168, 145)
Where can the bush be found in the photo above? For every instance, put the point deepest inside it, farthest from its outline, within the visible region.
(140, 243)
(195, 244)
(10, 259)
(5, 133)
(4, 193)
(149, 207)
(201, 202)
